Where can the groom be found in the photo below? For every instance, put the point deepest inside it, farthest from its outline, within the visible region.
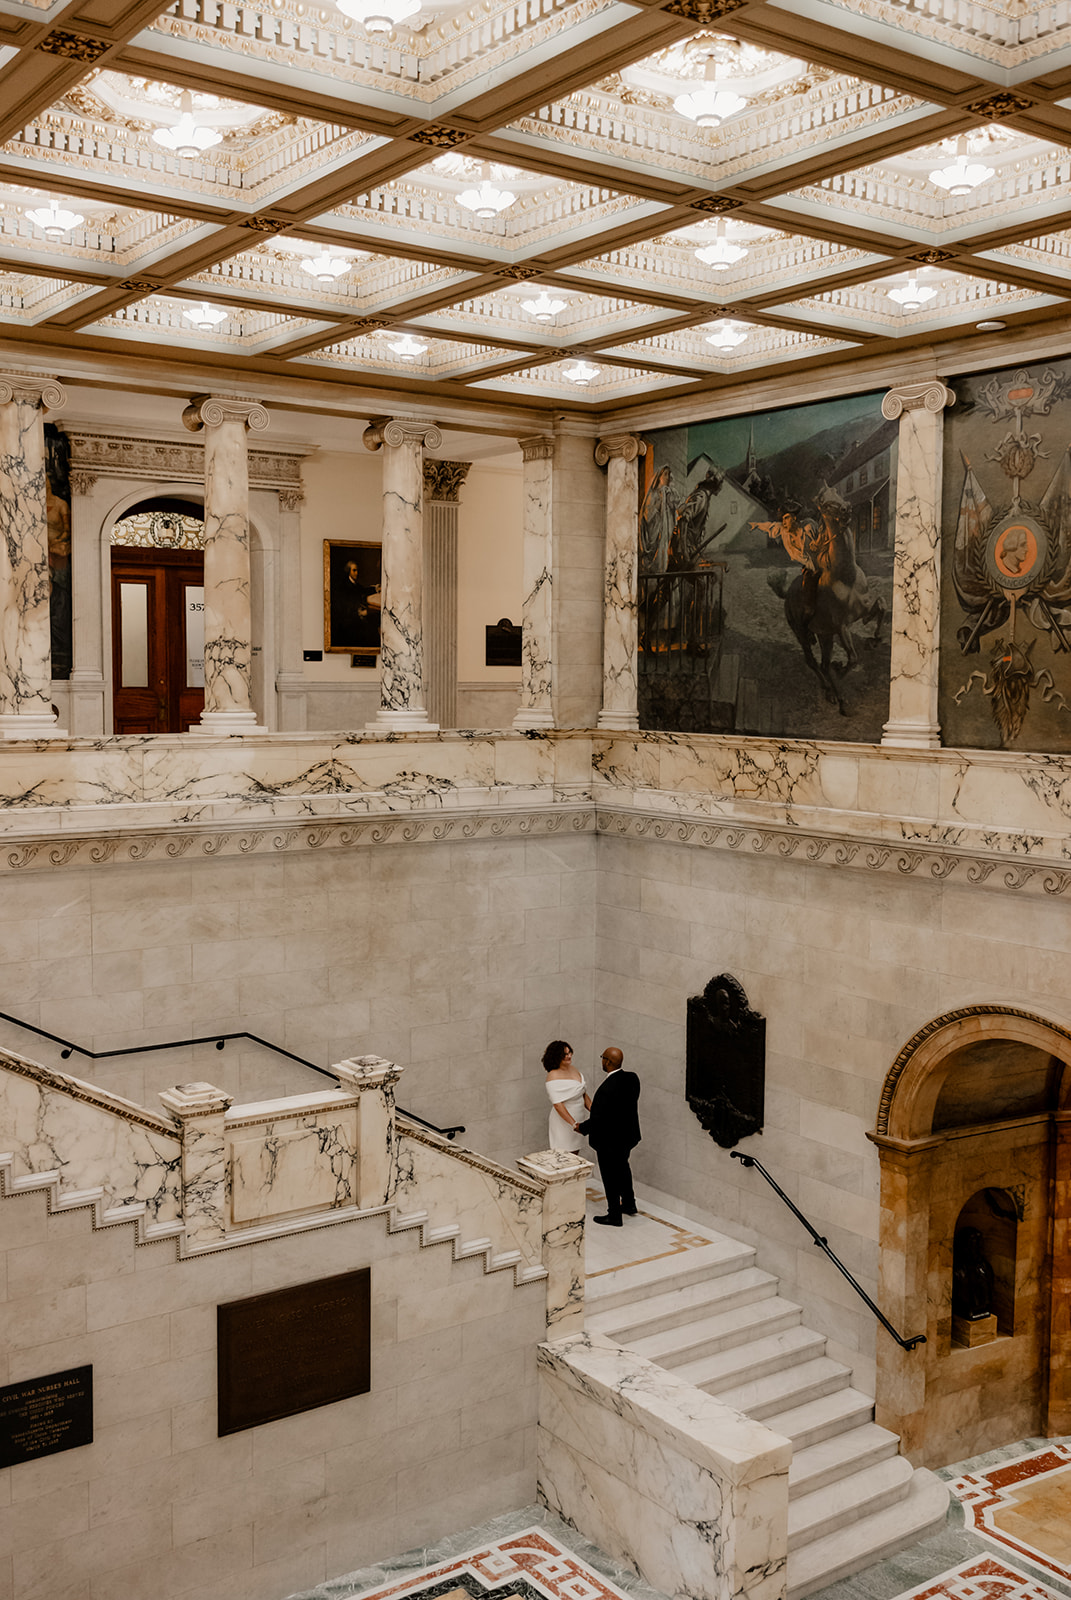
(613, 1129)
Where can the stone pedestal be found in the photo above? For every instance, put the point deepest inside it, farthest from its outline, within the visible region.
(228, 616)
(619, 455)
(442, 489)
(537, 672)
(25, 633)
(401, 650)
(970, 1333)
(916, 612)
(201, 1110)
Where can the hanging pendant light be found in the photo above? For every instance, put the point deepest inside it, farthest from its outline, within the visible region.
(487, 200)
(379, 16)
(709, 106)
(325, 268)
(544, 309)
(726, 335)
(205, 317)
(962, 176)
(721, 255)
(54, 222)
(408, 348)
(186, 137)
(581, 373)
(911, 295)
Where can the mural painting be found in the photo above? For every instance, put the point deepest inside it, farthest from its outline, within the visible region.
(1005, 678)
(765, 573)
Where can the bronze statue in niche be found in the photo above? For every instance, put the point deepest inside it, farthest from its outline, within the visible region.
(725, 1081)
(972, 1276)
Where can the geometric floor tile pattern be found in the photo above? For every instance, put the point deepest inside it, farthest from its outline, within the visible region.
(1024, 1505)
(981, 1578)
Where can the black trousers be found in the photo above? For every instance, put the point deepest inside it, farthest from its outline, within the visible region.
(616, 1175)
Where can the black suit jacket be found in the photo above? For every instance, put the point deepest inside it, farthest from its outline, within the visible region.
(614, 1121)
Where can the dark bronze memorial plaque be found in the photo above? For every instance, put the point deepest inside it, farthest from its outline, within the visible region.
(45, 1415)
(293, 1349)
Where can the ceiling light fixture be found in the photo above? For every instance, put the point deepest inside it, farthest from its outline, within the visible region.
(911, 295)
(54, 222)
(990, 327)
(487, 200)
(581, 373)
(962, 176)
(726, 335)
(186, 137)
(325, 268)
(408, 348)
(709, 106)
(721, 255)
(379, 16)
(544, 309)
(205, 317)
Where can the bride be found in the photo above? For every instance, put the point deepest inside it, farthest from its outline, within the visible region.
(566, 1092)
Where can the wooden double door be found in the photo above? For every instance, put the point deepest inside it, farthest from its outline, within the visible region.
(158, 601)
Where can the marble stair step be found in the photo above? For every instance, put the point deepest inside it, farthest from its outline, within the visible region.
(817, 1466)
(780, 1396)
(837, 1555)
(831, 1410)
(626, 1285)
(708, 1335)
(683, 1305)
(753, 1360)
(812, 1516)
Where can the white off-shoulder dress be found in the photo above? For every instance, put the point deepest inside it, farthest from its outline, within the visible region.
(567, 1092)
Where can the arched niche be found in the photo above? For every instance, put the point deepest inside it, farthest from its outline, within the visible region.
(975, 1113)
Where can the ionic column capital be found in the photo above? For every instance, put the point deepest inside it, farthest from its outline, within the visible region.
(213, 410)
(539, 447)
(932, 395)
(619, 447)
(28, 387)
(391, 432)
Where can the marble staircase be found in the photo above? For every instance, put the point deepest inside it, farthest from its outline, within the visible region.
(716, 1319)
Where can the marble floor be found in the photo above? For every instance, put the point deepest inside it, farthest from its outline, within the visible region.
(1007, 1535)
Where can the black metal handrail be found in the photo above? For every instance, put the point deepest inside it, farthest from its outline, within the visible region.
(823, 1244)
(219, 1040)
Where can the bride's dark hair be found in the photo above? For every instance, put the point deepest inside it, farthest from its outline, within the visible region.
(554, 1054)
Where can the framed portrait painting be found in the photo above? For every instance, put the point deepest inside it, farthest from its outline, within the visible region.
(353, 598)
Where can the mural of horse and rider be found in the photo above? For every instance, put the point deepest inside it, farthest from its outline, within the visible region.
(765, 573)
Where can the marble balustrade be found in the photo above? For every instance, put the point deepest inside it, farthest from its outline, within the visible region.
(660, 1474)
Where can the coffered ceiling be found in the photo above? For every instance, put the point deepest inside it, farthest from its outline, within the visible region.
(813, 202)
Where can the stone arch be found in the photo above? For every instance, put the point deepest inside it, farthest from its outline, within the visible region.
(979, 1099)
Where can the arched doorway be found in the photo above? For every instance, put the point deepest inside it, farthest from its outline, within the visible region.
(157, 594)
(974, 1136)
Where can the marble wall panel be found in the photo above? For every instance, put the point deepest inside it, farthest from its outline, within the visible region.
(287, 1164)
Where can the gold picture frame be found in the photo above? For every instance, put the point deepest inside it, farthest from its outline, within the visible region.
(353, 597)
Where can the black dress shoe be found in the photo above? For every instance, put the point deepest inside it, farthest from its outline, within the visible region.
(608, 1222)
(629, 1211)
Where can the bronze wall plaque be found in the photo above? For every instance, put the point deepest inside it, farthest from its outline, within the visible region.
(293, 1349)
(42, 1416)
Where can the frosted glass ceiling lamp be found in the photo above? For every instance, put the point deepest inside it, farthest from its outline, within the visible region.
(962, 176)
(726, 336)
(408, 348)
(325, 268)
(544, 309)
(379, 16)
(709, 106)
(581, 373)
(487, 200)
(912, 295)
(721, 255)
(205, 317)
(54, 222)
(186, 137)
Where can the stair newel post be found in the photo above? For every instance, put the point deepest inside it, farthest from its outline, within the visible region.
(373, 1079)
(564, 1179)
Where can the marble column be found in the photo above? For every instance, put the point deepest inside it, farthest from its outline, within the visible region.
(201, 1111)
(442, 490)
(619, 454)
(916, 613)
(88, 682)
(401, 640)
(537, 620)
(290, 685)
(25, 627)
(228, 615)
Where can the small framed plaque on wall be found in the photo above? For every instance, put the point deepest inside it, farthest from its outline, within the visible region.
(42, 1416)
(292, 1350)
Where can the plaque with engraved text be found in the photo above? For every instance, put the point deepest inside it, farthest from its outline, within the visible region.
(41, 1416)
(292, 1350)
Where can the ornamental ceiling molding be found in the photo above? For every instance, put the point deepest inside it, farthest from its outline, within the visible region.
(112, 455)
